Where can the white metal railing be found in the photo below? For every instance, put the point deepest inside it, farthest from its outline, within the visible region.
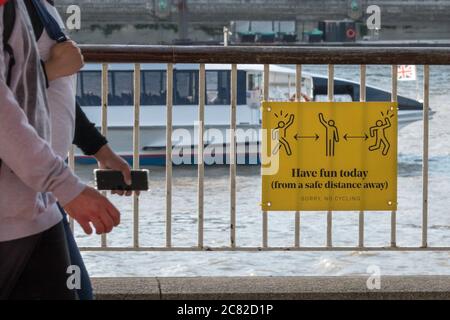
(169, 155)
(233, 243)
(362, 98)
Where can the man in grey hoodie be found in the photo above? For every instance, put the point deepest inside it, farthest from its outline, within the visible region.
(33, 252)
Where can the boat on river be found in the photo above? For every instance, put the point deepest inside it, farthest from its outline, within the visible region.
(152, 144)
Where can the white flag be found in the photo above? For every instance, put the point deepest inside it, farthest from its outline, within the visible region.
(406, 72)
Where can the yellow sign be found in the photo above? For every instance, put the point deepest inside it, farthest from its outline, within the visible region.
(329, 156)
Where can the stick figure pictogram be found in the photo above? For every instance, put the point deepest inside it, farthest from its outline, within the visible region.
(331, 135)
(379, 133)
(283, 125)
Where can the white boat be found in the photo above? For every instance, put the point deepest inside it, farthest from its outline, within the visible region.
(217, 110)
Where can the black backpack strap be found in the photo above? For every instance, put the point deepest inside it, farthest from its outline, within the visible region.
(9, 18)
(36, 22)
(50, 24)
(38, 26)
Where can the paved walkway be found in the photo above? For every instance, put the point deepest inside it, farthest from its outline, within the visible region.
(244, 288)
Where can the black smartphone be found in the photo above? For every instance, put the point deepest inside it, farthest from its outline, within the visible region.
(107, 180)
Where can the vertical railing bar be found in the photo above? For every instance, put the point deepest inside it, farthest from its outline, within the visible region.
(362, 98)
(105, 89)
(71, 161)
(104, 128)
(136, 134)
(233, 155)
(289, 86)
(298, 82)
(394, 98)
(426, 132)
(266, 97)
(200, 154)
(298, 98)
(169, 107)
(330, 99)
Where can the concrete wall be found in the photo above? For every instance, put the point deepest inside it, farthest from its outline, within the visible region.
(141, 21)
(286, 288)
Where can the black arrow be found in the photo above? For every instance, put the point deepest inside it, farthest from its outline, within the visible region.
(365, 137)
(298, 137)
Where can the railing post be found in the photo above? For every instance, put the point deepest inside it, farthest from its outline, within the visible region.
(233, 155)
(362, 98)
(136, 134)
(169, 107)
(330, 99)
(104, 128)
(200, 153)
(298, 98)
(265, 216)
(394, 98)
(426, 132)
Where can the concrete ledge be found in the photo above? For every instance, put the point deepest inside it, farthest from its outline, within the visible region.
(271, 288)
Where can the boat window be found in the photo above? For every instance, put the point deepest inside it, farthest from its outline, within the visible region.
(153, 88)
(121, 83)
(89, 90)
(254, 81)
(120, 92)
(218, 87)
(186, 87)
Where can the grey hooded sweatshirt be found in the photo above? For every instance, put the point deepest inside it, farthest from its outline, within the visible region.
(32, 176)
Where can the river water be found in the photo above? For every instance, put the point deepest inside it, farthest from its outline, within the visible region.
(281, 224)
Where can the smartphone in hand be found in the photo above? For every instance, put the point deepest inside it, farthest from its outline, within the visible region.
(108, 180)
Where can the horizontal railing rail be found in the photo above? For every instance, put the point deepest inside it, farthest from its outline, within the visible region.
(265, 55)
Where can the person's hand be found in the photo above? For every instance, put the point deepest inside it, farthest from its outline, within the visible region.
(65, 60)
(108, 159)
(90, 206)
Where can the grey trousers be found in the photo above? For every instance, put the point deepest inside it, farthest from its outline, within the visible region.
(34, 268)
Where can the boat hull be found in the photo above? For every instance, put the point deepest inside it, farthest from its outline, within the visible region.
(152, 146)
